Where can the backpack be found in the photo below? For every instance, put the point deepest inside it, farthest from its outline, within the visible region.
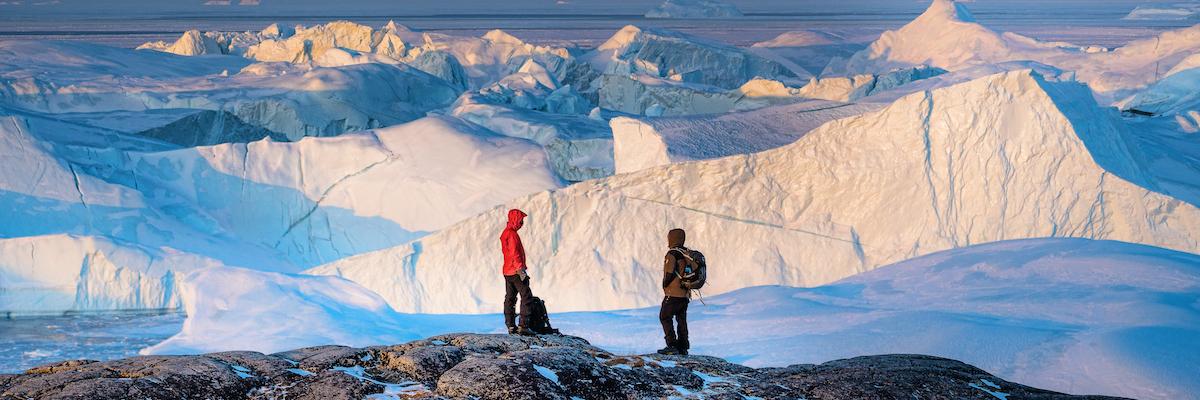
(694, 275)
(539, 318)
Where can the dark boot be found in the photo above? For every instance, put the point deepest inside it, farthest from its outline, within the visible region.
(523, 331)
(512, 330)
(668, 351)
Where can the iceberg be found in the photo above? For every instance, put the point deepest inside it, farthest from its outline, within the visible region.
(296, 101)
(682, 58)
(858, 86)
(800, 39)
(1165, 12)
(578, 148)
(646, 95)
(694, 9)
(50, 274)
(1006, 156)
(651, 142)
(483, 60)
(277, 206)
(320, 199)
(947, 36)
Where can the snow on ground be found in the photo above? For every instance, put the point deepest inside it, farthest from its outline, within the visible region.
(947, 36)
(651, 142)
(231, 308)
(694, 9)
(1074, 315)
(1002, 157)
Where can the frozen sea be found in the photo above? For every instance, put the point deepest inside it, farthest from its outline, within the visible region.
(585, 23)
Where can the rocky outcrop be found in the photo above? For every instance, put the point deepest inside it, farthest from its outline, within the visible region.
(502, 367)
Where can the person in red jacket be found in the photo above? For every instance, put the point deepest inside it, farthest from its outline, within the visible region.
(516, 279)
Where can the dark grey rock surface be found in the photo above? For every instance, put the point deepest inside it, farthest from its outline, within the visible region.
(464, 366)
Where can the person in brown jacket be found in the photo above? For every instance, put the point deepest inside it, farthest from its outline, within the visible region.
(675, 299)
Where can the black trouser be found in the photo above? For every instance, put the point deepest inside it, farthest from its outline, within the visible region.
(675, 307)
(513, 285)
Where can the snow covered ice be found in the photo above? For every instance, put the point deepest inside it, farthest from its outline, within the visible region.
(1102, 303)
(1005, 156)
(694, 9)
(855, 174)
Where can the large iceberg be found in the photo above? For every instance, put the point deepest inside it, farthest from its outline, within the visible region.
(577, 147)
(462, 62)
(62, 272)
(1165, 12)
(295, 101)
(646, 95)
(1176, 95)
(651, 142)
(320, 199)
(682, 58)
(48, 190)
(858, 86)
(694, 9)
(1002, 157)
(265, 204)
(947, 36)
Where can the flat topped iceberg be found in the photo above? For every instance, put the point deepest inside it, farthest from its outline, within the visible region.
(800, 39)
(1165, 12)
(1006, 156)
(641, 143)
(694, 9)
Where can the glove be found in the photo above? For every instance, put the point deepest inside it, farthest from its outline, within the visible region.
(524, 276)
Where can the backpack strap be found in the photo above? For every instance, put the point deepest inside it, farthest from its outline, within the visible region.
(684, 251)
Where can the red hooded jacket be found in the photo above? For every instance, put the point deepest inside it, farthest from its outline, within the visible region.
(510, 244)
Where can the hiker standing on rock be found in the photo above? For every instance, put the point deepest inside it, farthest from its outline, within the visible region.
(675, 301)
(516, 280)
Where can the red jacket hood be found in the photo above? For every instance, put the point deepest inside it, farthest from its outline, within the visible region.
(516, 218)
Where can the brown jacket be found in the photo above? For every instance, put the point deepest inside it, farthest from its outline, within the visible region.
(671, 285)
